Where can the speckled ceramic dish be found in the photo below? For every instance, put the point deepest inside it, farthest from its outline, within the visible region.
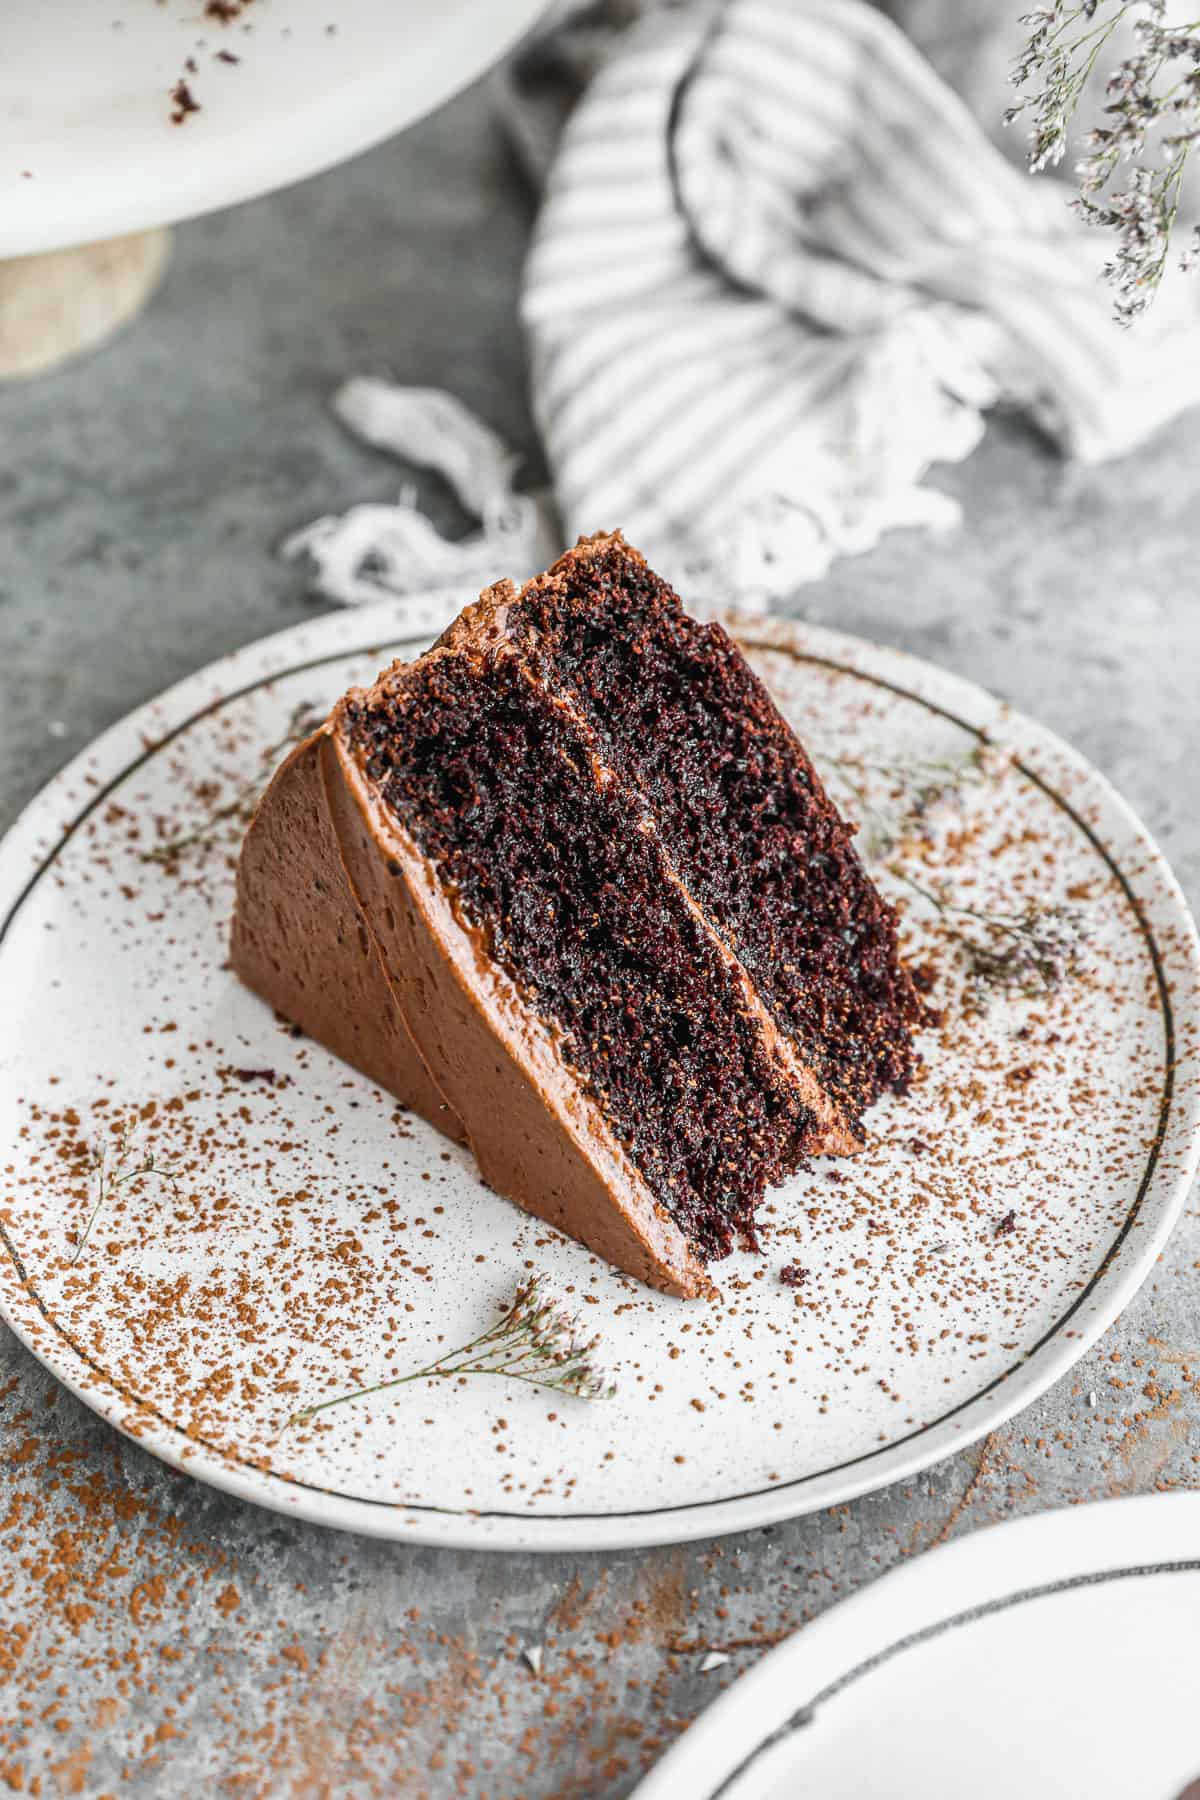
(297, 1236)
(1055, 1655)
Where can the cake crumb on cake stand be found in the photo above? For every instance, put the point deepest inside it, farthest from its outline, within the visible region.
(116, 123)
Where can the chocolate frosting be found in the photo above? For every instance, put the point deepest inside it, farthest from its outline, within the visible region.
(343, 925)
(301, 941)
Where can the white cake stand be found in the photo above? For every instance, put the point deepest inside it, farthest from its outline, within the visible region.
(100, 151)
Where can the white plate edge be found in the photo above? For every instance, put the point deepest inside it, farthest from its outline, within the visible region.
(988, 1564)
(395, 624)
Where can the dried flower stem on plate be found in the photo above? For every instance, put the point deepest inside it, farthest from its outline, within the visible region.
(303, 721)
(1151, 120)
(922, 787)
(113, 1171)
(1031, 952)
(537, 1341)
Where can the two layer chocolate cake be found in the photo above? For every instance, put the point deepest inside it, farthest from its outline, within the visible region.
(568, 886)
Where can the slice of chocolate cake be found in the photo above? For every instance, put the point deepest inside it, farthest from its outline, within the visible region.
(568, 886)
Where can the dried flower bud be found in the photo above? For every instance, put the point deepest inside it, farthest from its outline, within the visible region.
(1143, 91)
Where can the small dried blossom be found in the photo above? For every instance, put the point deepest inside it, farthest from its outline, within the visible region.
(538, 1341)
(1031, 952)
(113, 1168)
(1039, 950)
(1062, 48)
(1150, 120)
(303, 721)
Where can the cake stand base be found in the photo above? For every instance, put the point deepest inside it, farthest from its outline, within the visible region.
(58, 306)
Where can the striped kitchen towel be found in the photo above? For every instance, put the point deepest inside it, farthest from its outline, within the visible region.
(779, 272)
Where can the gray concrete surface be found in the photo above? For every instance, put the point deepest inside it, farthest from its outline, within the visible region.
(157, 1638)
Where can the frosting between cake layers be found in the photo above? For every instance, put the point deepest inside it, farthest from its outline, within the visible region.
(440, 1025)
(351, 922)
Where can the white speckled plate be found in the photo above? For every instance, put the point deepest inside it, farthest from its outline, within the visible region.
(1050, 1656)
(1004, 1212)
(88, 146)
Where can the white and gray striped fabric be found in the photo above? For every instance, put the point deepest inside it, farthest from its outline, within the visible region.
(779, 271)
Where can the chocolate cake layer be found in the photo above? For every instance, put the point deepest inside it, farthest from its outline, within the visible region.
(556, 860)
(678, 712)
(586, 905)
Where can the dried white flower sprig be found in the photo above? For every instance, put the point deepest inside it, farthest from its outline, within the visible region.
(921, 788)
(1035, 951)
(1031, 952)
(113, 1168)
(1042, 948)
(537, 1341)
(1150, 122)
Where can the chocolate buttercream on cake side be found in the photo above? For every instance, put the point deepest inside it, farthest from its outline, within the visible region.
(367, 929)
(301, 939)
(564, 967)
